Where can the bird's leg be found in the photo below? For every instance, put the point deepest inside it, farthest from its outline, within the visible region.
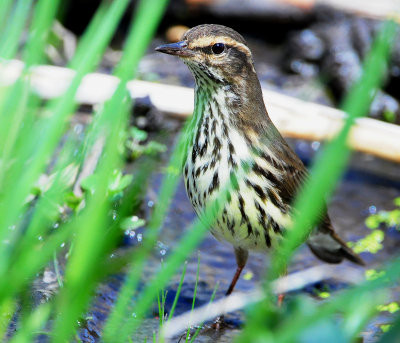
(234, 280)
(281, 296)
(241, 259)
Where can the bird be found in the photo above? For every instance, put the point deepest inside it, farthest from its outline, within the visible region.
(231, 126)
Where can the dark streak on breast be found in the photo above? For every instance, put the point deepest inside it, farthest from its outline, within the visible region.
(214, 183)
(257, 189)
(245, 218)
(231, 161)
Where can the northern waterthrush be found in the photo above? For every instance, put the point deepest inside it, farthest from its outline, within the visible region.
(231, 128)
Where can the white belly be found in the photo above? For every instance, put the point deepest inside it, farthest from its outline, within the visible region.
(245, 219)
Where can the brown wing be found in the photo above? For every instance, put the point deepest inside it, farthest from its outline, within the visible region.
(323, 240)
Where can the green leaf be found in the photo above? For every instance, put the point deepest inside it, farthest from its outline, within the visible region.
(373, 221)
(89, 183)
(119, 181)
(372, 274)
(72, 200)
(371, 243)
(389, 116)
(324, 295)
(391, 307)
(132, 223)
(153, 148)
(137, 134)
(394, 218)
(385, 327)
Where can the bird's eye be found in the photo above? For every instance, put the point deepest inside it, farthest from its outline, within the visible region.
(218, 48)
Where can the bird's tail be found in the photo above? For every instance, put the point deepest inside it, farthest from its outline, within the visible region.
(329, 247)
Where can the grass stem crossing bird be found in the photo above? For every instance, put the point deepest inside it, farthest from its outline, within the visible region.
(231, 127)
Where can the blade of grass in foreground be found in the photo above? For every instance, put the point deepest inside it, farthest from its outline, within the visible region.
(23, 177)
(34, 324)
(103, 267)
(330, 165)
(122, 308)
(178, 292)
(44, 15)
(350, 300)
(196, 333)
(11, 128)
(17, 126)
(194, 293)
(4, 13)
(10, 37)
(45, 212)
(37, 148)
(194, 235)
(326, 170)
(119, 104)
(129, 315)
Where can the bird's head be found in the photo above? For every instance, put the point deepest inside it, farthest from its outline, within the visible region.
(214, 53)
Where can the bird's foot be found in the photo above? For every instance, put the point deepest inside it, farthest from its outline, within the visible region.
(219, 323)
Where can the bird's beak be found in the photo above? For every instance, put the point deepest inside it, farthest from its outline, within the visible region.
(178, 49)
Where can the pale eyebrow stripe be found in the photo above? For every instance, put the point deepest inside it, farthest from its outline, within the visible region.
(203, 42)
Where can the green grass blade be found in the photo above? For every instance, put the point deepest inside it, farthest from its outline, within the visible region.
(120, 322)
(7, 310)
(175, 302)
(345, 301)
(34, 324)
(44, 15)
(30, 262)
(117, 104)
(123, 304)
(12, 115)
(5, 9)
(91, 33)
(160, 310)
(174, 261)
(10, 38)
(178, 292)
(196, 333)
(325, 173)
(83, 268)
(148, 14)
(39, 146)
(185, 246)
(329, 167)
(194, 292)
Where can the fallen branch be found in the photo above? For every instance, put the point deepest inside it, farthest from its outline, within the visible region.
(377, 9)
(238, 301)
(293, 117)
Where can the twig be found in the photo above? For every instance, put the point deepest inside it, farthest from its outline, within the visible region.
(238, 301)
